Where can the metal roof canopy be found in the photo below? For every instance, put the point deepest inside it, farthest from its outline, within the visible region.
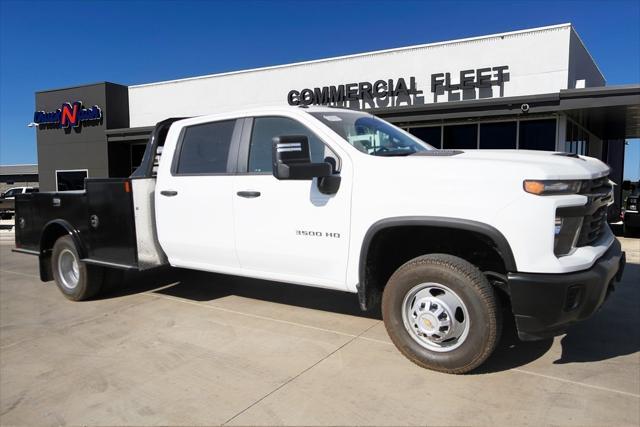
(129, 134)
(18, 170)
(610, 112)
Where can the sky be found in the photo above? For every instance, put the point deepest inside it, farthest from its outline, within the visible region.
(52, 44)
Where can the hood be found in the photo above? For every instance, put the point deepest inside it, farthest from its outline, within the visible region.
(545, 164)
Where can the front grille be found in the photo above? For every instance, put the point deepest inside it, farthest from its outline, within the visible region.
(593, 226)
(598, 186)
(600, 194)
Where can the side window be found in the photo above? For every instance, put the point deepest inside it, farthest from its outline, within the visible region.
(266, 128)
(205, 148)
(12, 192)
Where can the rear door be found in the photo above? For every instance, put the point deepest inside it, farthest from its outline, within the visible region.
(194, 208)
(288, 230)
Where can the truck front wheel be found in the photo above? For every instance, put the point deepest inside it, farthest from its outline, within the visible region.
(442, 313)
(76, 280)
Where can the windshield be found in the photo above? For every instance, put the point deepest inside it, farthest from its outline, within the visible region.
(371, 135)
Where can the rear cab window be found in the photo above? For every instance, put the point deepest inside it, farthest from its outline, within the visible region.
(204, 149)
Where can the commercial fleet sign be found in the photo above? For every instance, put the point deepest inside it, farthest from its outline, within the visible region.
(68, 115)
(401, 88)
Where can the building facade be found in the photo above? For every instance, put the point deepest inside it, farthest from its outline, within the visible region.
(536, 89)
(18, 176)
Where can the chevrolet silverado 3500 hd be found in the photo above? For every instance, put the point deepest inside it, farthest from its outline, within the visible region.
(340, 199)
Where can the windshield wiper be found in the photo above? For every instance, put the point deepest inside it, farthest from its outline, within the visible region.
(437, 153)
(394, 153)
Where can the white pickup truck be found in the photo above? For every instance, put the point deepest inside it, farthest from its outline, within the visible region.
(340, 199)
(7, 200)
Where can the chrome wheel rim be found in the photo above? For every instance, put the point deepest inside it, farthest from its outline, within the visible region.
(68, 269)
(435, 317)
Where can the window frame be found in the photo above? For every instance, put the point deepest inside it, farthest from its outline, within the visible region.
(231, 155)
(242, 164)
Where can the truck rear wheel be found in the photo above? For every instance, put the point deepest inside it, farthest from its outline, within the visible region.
(76, 280)
(442, 313)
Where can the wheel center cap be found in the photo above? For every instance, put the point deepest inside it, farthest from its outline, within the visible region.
(428, 322)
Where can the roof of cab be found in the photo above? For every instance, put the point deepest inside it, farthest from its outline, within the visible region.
(262, 110)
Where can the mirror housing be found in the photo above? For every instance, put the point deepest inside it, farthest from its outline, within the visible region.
(292, 159)
(626, 185)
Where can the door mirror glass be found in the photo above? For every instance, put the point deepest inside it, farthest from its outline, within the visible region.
(292, 159)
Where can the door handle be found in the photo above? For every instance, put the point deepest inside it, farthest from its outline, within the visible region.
(169, 193)
(248, 194)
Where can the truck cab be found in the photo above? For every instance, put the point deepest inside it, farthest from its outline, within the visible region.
(441, 240)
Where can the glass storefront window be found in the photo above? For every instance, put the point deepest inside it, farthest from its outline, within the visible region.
(430, 135)
(576, 140)
(534, 134)
(499, 135)
(463, 137)
(538, 135)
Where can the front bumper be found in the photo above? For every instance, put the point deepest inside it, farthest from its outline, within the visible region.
(544, 305)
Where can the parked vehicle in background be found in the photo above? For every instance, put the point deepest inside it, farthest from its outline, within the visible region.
(339, 199)
(631, 214)
(7, 200)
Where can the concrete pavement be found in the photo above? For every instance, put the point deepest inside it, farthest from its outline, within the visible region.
(184, 348)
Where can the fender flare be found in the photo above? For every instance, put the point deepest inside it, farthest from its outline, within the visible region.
(367, 300)
(44, 264)
(71, 230)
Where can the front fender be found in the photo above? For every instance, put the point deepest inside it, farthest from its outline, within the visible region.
(370, 297)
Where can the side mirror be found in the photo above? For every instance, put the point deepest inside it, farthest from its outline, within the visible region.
(292, 159)
(626, 185)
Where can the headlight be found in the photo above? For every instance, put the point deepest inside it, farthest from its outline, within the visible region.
(567, 230)
(547, 187)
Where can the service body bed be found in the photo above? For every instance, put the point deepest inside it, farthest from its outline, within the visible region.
(103, 220)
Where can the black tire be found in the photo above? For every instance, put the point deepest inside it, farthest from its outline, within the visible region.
(470, 286)
(90, 277)
(113, 279)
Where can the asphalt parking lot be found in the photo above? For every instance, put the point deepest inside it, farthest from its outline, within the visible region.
(192, 348)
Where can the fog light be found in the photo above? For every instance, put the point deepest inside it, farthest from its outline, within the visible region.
(574, 297)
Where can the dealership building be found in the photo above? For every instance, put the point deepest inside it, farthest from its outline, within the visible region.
(535, 89)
